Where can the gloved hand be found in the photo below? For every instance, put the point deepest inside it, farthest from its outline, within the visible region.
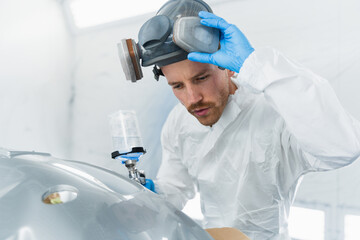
(149, 184)
(235, 48)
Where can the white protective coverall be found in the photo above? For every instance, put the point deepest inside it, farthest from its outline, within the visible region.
(282, 122)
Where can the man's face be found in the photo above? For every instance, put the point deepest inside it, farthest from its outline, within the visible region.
(202, 88)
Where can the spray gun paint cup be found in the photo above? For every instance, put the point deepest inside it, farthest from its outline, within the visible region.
(125, 134)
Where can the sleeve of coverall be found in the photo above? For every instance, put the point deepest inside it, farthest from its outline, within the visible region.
(173, 181)
(308, 105)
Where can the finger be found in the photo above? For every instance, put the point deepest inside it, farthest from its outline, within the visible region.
(200, 57)
(211, 20)
(218, 23)
(204, 14)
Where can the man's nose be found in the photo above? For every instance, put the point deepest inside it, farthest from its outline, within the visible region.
(194, 95)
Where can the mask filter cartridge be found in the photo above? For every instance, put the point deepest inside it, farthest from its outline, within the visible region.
(192, 36)
(130, 59)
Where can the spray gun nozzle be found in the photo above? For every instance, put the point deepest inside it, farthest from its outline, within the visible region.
(134, 173)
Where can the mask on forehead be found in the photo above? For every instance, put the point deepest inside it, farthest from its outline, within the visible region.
(167, 38)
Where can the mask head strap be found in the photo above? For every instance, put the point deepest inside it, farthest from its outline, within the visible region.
(157, 72)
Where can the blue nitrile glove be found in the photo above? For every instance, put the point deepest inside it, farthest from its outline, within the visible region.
(235, 48)
(149, 184)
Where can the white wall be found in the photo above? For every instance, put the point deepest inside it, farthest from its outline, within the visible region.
(101, 89)
(35, 76)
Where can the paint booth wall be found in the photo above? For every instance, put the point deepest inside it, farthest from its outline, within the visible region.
(101, 89)
(36, 54)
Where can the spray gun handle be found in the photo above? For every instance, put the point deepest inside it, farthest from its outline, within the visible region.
(146, 182)
(142, 177)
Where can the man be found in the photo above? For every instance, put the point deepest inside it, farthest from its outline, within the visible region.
(245, 142)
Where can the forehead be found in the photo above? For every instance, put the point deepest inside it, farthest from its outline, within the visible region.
(185, 70)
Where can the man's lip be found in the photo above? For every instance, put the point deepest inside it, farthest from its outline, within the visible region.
(201, 112)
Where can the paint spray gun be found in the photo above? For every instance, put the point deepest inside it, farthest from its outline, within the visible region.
(127, 143)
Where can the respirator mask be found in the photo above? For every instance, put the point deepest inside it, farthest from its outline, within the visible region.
(167, 38)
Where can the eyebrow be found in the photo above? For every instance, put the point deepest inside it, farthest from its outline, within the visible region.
(199, 74)
(202, 72)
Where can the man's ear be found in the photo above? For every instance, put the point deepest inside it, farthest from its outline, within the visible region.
(230, 73)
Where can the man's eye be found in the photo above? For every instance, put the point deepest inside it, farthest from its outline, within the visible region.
(176, 86)
(203, 77)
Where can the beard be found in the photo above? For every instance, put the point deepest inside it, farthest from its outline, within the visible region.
(213, 115)
(200, 105)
